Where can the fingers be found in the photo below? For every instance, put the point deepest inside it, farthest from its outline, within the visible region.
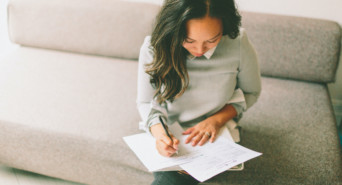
(175, 143)
(192, 135)
(166, 147)
(165, 150)
(188, 131)
(203, 140)
(197, 139)
(201, 133)
(166, 140)
(200, 138)
(213, 137)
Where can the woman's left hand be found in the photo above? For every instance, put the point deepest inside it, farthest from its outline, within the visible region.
(202, 132)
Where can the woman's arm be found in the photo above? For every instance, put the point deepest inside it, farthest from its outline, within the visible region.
(227, 113)
(249, 77)
(149, 109)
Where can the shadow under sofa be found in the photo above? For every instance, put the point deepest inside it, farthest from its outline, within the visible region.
(68, 94)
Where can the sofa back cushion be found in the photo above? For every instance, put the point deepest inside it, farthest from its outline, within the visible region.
(294, 47)
(100, 27)
(288, 47)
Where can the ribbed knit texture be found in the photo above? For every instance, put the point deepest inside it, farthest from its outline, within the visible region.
(212, 82)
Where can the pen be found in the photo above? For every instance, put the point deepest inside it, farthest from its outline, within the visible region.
(167, 133)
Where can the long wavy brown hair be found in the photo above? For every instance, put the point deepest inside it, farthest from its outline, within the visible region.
(169, 75)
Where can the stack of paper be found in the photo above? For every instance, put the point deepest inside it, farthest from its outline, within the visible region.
(201, 162)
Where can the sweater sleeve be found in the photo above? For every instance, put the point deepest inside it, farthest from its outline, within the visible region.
(148, 108)
(248, 78)
(238, 102)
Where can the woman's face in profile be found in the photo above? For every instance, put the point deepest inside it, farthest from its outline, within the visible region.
(202, 35)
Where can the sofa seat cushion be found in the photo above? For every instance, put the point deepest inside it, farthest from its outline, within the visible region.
(64, 115)
(293, 125)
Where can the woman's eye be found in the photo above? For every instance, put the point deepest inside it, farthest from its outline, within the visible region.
(189, 41)
(212, 41)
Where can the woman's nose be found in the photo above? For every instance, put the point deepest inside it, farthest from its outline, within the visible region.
(200, 49)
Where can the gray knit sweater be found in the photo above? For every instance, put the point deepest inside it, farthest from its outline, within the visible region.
(230, 76)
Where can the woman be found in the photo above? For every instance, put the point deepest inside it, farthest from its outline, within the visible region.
(198, 68)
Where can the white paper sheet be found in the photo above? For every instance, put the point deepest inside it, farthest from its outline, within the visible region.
(177, 130)
(218, 158)
(201, 162)
(144, 147)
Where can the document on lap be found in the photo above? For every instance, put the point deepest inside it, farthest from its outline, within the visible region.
(201, 162)
(217, 159)
(143, 145)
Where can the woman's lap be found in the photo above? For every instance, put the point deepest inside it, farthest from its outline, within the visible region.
(173, 178)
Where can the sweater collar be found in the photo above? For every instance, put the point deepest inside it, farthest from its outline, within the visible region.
(207, 54)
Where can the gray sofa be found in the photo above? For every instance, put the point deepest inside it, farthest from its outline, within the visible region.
(67, 95)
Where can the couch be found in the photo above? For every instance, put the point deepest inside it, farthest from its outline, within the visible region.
(67, 94)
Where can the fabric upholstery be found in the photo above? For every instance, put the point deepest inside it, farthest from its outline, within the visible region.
(99, 27)
(294, 47)
(293, 125)
(64, 115)
(288, 47)
(63, 112)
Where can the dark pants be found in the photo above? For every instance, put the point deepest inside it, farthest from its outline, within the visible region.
(173, 178)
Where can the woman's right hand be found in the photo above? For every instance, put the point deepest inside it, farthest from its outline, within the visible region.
(164, 144)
